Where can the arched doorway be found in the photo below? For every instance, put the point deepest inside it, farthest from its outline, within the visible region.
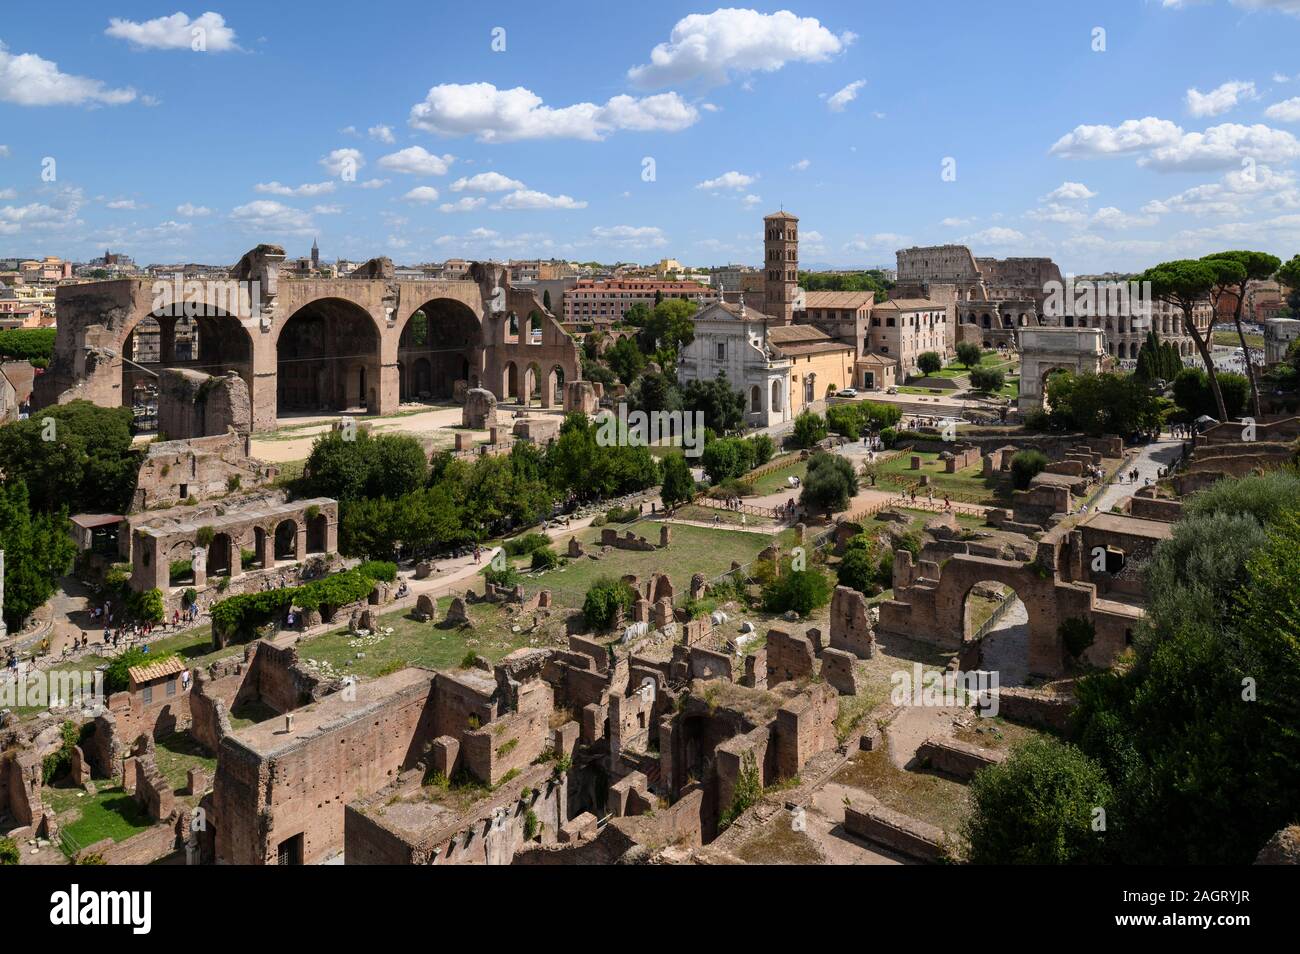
(509, 381)
(327, 359)
(286, 540)
(755, 400)
(532, 386)
(995, 631)
(776, 397)
(221, 555)
(317, 533)
(555, 385)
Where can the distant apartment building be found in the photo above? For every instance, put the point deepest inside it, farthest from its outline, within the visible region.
(595, 302)
(48, 269)
(729, 278)
(454, 269)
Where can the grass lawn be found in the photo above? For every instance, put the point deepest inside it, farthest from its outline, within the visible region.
(1230, 339)
(897, 472)
(929, 798)
(414, 643)
(775, 481)
(177, 754)
(110, 813)
(693, 550)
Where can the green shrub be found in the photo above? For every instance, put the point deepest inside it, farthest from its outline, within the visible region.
(622, 514)
(1025, 466)
(545, 558)
(809, 429)
(383, 570)
(507, 578)
(1038, 807)
(8, 851)
(987, 379)
(800, 590)
(604, 599)
(528, 543)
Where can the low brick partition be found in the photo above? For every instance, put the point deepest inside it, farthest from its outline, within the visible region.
(959, 759)
(1036, 708)
(870, 820)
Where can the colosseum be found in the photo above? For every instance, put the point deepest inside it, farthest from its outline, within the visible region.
(365, 342)
(990, 299)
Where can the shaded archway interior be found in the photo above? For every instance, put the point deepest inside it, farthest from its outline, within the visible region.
(327, 359)
(440, 345)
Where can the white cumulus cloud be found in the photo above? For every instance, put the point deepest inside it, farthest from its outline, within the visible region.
(416, 161)
(1132, 135)
(422, 194)
(1287, 111)
(463, 204)
(531, 199)
(1069, 192)
(729, 180)
(207, 33)
(28, 80)
(509, 115)
(1220, 99)
(340, 160)
(711, 47)
(486, 182)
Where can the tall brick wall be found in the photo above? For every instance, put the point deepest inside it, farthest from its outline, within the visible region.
(267, 791)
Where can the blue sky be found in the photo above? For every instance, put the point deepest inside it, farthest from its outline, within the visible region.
(1179, 137)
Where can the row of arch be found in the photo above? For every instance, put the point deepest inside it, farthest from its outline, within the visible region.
(224, 553)
(327, 354)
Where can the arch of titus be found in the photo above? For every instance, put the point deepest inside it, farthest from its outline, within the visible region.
(315, 346)
(1044, 350)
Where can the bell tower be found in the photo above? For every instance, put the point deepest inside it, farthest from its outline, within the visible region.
(780, 265)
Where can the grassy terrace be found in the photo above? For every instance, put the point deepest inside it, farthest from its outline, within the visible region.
(694, 549)
(110, 813)
(930, 798)
(897, 473)
(775, 481)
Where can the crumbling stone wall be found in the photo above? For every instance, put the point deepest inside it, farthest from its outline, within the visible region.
(789, 657)
(202, 468)
(194, 404)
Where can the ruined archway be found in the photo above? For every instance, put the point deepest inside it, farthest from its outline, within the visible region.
(510, 381)
(197, 335)
(555, 385)
(327, 359)
(317, 533)
(286, 540)
(222, 556)
(439, 345)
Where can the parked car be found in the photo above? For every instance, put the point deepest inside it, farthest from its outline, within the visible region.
(847, 392)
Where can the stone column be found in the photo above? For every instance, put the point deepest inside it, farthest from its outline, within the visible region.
(199, 563)
(266, 550)
(300, 544)
(166, 340)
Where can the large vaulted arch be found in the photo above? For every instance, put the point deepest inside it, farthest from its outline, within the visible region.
(327, 359)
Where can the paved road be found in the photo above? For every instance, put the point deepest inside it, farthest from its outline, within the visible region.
(1148, 461)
